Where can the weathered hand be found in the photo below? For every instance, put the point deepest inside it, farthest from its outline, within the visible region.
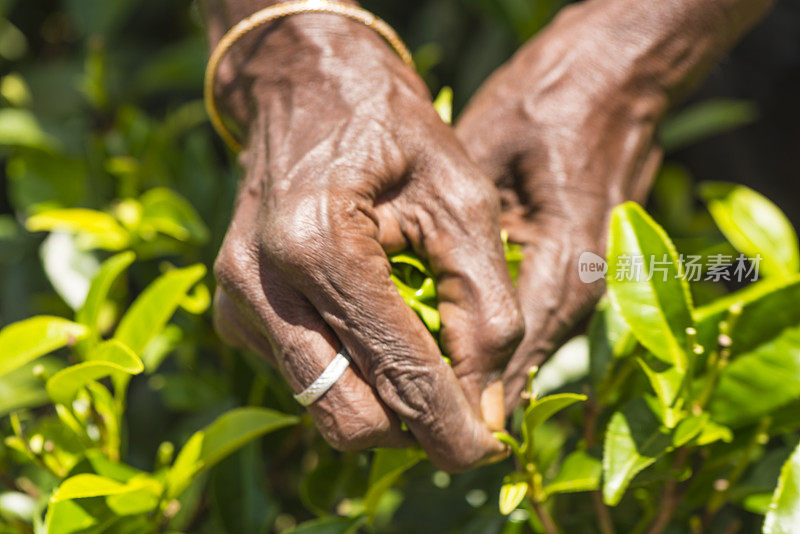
(567, 130)
(346, 159)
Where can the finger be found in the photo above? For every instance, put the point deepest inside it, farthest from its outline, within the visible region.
(553, 297)
(481, 319)
(265, 310)
(343, 271)
(234, 330)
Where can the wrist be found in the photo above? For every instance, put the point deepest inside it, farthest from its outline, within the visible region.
(663, 49)
(285, 49)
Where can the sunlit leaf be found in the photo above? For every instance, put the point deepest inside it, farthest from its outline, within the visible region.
(166, 212)
(95, 229)
(755, 226)
(73, 517)
(17, 506)
(712, 432)
(512, 492)
(654, 300)
(107, 359)
(153, 308)
(229, 432)
(68, 267)
(784, 510)
(26, 340)
(543, 409)
(88, 485)
(21, 388)
(443, 104)
(101, 284)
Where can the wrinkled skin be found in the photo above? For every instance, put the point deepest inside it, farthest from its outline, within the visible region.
(345, 159)
(567, 130)
(366, 166)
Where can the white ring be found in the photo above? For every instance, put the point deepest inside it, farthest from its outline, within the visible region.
(326, 380)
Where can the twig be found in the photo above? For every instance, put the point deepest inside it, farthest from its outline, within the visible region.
(670, 497)
(722, 489)
(544, 516)
(591, 411)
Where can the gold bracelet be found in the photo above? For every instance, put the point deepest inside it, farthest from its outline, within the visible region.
(275, 12)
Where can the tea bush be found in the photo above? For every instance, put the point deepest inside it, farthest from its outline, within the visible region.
(122, 412)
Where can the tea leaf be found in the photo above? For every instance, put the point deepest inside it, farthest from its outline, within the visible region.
(759, 381)
(634, 440)
(388, 465)
(229, 432)
(656, 305)
(512, 492)
(153, 308)
(541, 410)
(579, 472)
(101, 284)
(754, 225)
(26, 340)
(89, 485)
(167, 212)
(688, 429)
(768, 307)
(784, 510)
(665, 380)
(95, 229)
(705, 119)
(109, 358)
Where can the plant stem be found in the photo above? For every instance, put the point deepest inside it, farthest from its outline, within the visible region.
(592, 410)
(670, 497)
(720, 497)
(544, 516)
(603, 515)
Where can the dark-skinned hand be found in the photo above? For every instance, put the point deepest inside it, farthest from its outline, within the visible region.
(567, 130)
(346, 159)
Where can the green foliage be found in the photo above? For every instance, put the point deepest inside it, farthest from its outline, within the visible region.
(705, 119)
(784, 510)
(690, 396)
(755, 226)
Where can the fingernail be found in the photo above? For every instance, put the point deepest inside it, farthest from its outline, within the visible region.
(493, 406)
(499, 457)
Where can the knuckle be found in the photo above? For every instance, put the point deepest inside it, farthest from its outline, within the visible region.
(292, 238)
(476, 197)
(504, 332)
(407, 387)
(355, 429)
(223, 328)
(230, 267)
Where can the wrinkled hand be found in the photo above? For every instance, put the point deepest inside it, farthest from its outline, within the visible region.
(565, 140)
(346, 159)
(567, 130)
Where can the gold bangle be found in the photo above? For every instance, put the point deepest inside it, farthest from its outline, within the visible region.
(275, 12)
